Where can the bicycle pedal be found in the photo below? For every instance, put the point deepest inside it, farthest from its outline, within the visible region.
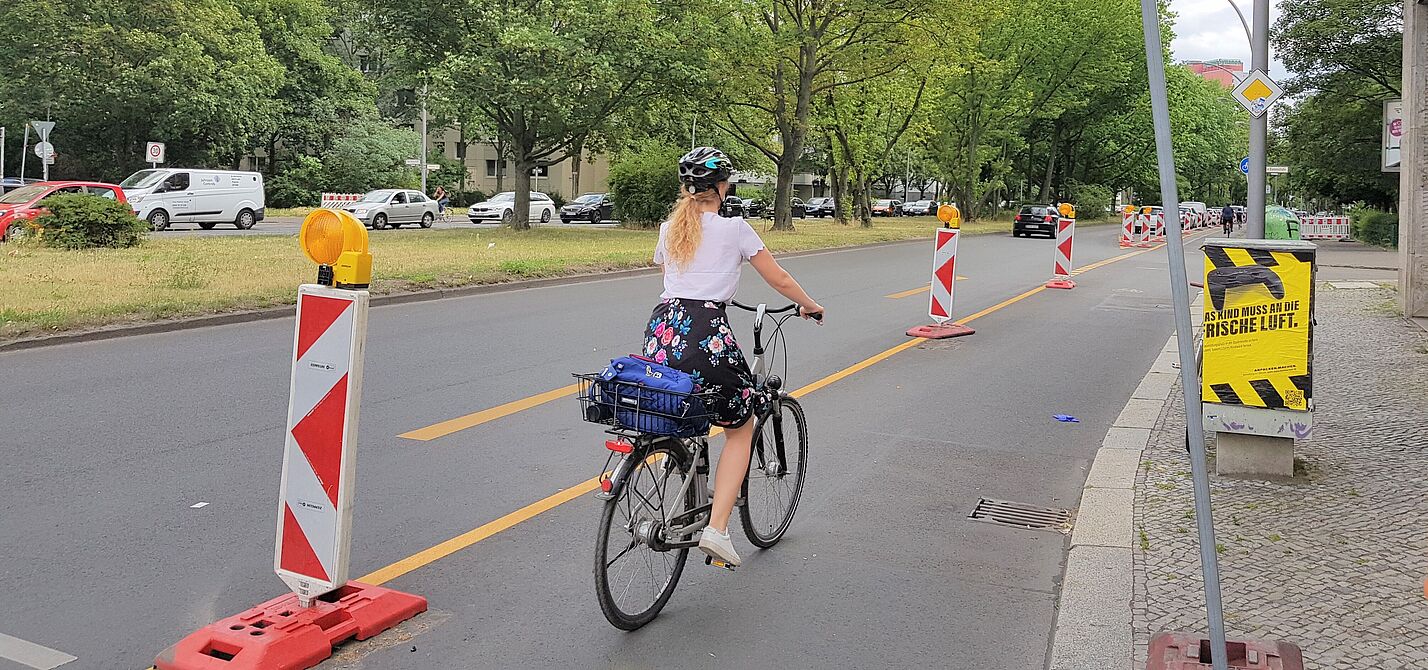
(710, 560)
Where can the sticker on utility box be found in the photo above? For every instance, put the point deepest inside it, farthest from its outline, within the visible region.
(1259, 323)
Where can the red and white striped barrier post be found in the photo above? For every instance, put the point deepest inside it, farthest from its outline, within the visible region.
(1061, 266)
(1128, 226)
(944, 279)
(300, 629)
(1325, 228)
(1159, 220)
(1144, 219)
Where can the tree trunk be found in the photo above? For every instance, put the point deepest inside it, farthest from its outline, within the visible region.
(521, 217)
(839, 177)
(500, 146)
(575, 170)
(865, 213)
(783, 193)
(1051, 153)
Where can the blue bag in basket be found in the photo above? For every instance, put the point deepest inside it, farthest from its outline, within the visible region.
(646, 397)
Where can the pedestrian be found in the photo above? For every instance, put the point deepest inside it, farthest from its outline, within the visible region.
(701, 254)
(441, 199)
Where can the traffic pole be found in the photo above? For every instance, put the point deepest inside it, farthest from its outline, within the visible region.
(300, 629)
(1061, 265)
(1128, 227)
(944, 278)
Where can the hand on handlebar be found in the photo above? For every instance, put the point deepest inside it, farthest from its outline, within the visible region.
(815, 313)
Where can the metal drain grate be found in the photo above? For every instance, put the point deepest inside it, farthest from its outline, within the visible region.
(1021, 515)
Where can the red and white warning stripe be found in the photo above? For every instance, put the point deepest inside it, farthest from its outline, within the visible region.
(1158, 223)
(1128, 228)
(315, 516)
(1325, 228)
(334, 200)
(944, 275)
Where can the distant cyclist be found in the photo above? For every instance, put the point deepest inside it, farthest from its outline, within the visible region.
(1227, 219)
(702, 254)
(442, 199)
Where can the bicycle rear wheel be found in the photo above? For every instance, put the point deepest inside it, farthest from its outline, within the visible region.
(775, 483)
(633, 578)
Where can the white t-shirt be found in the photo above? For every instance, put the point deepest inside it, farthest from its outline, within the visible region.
(713, 274)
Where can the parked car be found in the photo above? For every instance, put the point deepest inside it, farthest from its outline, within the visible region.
(502, 207)
(8, 184)
(919, 208)
(392, 207)
(27, 202)
(592, 207)
(1034, 219)
(735, 206)
(887, 207)
(760, 209)
(819, 207)
(204, 197)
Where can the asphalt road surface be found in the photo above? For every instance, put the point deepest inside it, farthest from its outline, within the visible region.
(110, 446)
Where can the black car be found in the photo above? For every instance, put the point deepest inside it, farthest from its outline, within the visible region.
(736, 206)
(1034, 219)
(760, 209)
(819, 207)
(591, 207)
(919, 208)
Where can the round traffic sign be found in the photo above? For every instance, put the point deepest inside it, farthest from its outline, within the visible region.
(156, 150)
(1244, 165)
(44, 149)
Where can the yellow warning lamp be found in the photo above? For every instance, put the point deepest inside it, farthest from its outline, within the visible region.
(1129, 209)
(950, 216)
(1147, 209)
(1067, 210)
(337, 242)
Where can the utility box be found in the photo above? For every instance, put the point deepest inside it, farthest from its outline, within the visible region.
(1190, 651)
(1257, 362)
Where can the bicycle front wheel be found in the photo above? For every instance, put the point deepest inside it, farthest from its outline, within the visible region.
(777, 468)
(635, 574)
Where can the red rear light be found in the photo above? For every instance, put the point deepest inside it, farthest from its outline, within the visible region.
(619, 446)
(606, 484)
(1048, 218)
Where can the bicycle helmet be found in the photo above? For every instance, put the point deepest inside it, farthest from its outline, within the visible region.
(704, 167)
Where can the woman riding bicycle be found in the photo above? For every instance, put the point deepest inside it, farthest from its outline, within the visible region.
(702, 254)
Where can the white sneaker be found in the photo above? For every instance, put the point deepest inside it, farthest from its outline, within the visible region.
(719, 546)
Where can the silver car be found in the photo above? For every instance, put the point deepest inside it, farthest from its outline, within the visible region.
(392, 207)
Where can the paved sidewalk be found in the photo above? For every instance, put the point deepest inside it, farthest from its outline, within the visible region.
(1334, 561)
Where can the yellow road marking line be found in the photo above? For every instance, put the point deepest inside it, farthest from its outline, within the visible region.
(914, 291)
(477, 418)
(464, 540)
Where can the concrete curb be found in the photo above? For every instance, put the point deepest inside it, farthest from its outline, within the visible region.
(282, 311)
(1093, 619)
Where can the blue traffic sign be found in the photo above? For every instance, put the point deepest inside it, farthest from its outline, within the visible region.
(1244, 165)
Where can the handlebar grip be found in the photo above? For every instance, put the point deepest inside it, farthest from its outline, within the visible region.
(817, 317)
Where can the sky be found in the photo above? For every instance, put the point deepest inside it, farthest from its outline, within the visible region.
(1208, 29)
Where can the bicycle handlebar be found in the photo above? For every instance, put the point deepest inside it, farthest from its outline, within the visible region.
(787, 308)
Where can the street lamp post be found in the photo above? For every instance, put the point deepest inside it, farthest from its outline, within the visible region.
(1259, 125)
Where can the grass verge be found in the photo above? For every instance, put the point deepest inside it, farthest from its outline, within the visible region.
(49, 291)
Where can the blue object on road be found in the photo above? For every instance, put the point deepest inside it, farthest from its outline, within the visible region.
(1065, 418)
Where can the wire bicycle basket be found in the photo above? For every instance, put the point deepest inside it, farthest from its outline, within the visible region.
(643, 409)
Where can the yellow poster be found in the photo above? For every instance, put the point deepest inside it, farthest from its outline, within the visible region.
(1258, 323)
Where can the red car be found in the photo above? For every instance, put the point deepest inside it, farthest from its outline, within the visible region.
(26, 202)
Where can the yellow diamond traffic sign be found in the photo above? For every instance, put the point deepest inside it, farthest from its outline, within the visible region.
(1256, 92)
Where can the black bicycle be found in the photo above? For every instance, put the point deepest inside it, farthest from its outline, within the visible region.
(656, 496)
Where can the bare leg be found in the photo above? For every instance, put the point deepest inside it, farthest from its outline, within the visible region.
(733, 465)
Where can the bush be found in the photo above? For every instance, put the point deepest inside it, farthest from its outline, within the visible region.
(87, 221)
(644, 184)
(468, 198)
(556, 198)
(371, 154)
(1374, 226)
(300, 184)
(1091, 200)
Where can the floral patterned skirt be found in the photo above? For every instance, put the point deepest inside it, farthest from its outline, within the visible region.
(693, 336)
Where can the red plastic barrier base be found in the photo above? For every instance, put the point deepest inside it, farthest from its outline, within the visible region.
(942, 332)
(1190, 651)
(282, 634)
(1061, 283)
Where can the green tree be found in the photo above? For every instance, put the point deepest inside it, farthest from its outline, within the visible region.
(548, 75)
(371, 154)
(192, 73)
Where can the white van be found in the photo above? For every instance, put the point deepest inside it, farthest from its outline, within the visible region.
(1199, 213)
(204, 197)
